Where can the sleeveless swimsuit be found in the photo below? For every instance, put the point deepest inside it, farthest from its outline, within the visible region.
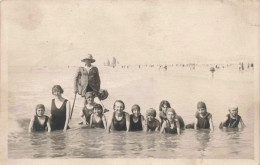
(168, 128)
(152, 126)
(232, 123)
(119, 125)
(135, 126)
(87, 113)
(98, 124)
(37, 125)
(58, 116)
(203, 122)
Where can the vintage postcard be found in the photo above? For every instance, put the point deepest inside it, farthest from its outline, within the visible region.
(130, 82)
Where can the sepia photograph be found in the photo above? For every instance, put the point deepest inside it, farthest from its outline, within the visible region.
(115, 82)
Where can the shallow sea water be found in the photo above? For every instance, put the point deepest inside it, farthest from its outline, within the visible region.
(146, 87)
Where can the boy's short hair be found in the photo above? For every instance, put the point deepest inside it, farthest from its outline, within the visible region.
(136, 106)
(119, 101)
(164, 102)
(57, 87)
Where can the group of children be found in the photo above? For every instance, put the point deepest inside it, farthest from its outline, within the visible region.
(119, 120)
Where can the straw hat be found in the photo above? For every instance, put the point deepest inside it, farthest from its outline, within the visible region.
(89, 57)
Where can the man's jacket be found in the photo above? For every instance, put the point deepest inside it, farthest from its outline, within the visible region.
(83, 79)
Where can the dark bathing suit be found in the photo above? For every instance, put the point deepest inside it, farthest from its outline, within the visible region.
(152, 126)
(58, 116)
(203, 123)
(96, 124)
(87, 113)
(164, 118)
(136, 126)
(168, 128)
(119, 125)
(37, 125)
(232, 123)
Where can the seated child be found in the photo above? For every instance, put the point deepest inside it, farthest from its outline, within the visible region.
(87, 110)
(151, 124)
(97, 119)
(203, 119)
(119, 120)
(164, 105)
(39, 122)
(233, 120)
(136, 119)
(171, 125)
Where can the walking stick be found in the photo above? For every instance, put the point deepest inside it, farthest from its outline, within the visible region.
(73, 105)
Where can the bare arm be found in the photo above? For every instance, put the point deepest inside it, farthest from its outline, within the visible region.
(143, 122)
(49, 125)
(158, 126)
(163, 127)
(127, 117)
(211, 123)
(109, 122)
(196, 123)
(67, 115)
(91, 118)
(83, 119)
(178, 127)
(31, 124)
(104, 121)
(241, 123)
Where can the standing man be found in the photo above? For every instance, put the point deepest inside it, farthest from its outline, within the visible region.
(87, 78)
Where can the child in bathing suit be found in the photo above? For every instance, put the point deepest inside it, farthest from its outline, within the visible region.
(119, 120)
(97, 119)
(171, 125)
(87, 110)
(136, 119)
(151, 124)
(233, 120)
(39, 122)
(203, 119)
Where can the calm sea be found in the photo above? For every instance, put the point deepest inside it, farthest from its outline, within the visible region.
(182, 87)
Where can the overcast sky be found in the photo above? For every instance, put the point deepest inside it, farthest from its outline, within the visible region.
(62, 33)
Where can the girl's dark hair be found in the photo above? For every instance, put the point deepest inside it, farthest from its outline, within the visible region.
(119, 101)
(57, 87)
(164, 102)
(136, 106)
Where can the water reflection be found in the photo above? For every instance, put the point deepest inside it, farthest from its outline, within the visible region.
(203, 138)
(58, 140)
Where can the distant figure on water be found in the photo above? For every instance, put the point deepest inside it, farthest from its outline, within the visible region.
(88, 108)
(119, 120)
(39, 122)
(152, 124)
(98, 119)
(203, 119)
(137, 121)
(164, 105)
(171, 125)
(60, 110)
(233, 120)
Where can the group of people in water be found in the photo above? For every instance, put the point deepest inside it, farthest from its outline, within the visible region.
(87, 84)
(119, 120)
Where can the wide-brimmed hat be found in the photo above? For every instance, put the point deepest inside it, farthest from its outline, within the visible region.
(102, 94)
(89, 57)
